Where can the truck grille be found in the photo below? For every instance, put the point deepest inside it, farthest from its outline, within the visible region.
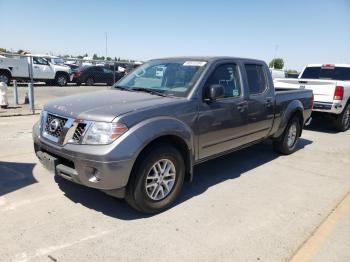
(79, 131)
(54, 125)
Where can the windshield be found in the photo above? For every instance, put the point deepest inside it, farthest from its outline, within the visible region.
(169, 77)
(329, 73)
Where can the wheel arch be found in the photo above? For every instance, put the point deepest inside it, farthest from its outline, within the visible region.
(174, 141)
(7, 72)
(295, 108)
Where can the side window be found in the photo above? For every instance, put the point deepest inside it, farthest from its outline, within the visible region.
(228, 76)
(106, 70)
(97, 69)
(39, 61)
(256, 78)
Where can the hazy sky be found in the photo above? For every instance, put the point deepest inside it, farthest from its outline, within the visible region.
(305, 31)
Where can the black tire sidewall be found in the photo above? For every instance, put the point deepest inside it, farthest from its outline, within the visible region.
(341, 125)
(61, 75)
(138, 191)
(291, 149)
(91, 80)
(8, 78)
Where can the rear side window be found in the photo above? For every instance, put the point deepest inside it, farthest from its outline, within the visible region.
(97, 69)
(331, 73)
(256, 78)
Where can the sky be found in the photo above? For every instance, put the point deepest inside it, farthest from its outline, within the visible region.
(299, 31)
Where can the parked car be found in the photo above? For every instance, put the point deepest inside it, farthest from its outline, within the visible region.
(43, 70)
(141, 139)
(278, 73)
(60, 61)
(91, 75)
(330, 84)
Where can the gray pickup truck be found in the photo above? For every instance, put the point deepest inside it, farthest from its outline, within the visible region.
(141, 139)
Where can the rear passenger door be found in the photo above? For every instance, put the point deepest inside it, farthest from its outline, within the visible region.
(98, 74)
(261, 100)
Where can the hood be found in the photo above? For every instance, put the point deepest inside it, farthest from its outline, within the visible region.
(104, 105)
(61, 67)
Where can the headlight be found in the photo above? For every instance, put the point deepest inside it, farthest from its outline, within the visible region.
(100, 133)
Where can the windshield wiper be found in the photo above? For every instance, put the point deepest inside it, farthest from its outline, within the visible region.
(122, 88)
(150, 91)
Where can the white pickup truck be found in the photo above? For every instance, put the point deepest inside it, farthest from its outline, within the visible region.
(17, 68)
(330, 84)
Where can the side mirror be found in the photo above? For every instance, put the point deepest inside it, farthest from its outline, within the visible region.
(214, 92)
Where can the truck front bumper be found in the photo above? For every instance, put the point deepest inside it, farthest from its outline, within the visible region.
(109, 173)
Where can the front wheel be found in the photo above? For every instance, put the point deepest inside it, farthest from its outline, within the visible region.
(342, 122)
(156, 180)
(287, 143)
(61, 80)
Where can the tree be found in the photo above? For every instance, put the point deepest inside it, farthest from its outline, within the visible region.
(277, 63)
(109, 59)
(292, 71)
(2, 50)
(95, 57)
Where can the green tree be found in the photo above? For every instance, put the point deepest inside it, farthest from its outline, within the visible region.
(109, 59)
(277, 63)
(95, 57)
(292, 71)
(2, 50)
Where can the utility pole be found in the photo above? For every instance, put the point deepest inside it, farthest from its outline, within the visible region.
(106, 46)
(274, 57)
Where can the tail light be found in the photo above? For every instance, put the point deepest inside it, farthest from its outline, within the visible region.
(339, 93)
(77, 73)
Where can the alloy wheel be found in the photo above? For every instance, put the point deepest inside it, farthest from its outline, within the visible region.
(160, 179)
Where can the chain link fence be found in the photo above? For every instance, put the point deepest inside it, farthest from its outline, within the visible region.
(32, 70)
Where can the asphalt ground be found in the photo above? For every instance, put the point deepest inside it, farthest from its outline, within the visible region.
(251, 205)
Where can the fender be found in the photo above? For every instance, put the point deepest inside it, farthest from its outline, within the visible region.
(149, 130)
(292, 108)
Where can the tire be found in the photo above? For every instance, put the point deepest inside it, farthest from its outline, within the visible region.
(5, 77)
(78, 83)
(61, 79)
(90, 81)
(342, 122)
(287, 143)
(148, 193)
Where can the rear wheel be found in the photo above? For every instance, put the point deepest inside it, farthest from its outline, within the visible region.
(290, 137)
(90, 81)
(5, 77)
(156, 180)
(342, 122)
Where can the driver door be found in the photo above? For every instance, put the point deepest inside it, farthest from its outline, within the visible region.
(42, 69)
(222, 123)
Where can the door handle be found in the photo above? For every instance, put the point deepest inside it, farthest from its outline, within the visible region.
(36, 67)
(268, 102)
(242, 106)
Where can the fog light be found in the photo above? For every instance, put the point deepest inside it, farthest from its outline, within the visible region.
(93, 174)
